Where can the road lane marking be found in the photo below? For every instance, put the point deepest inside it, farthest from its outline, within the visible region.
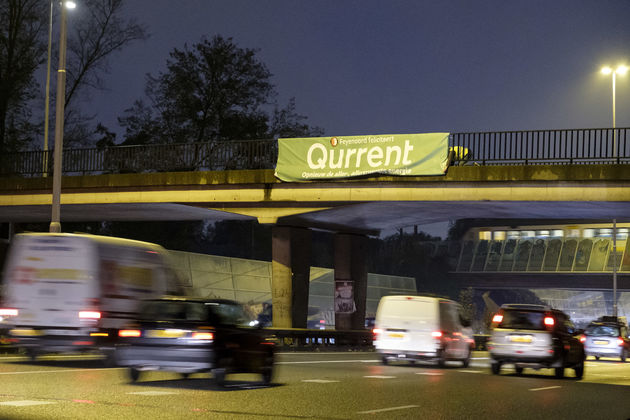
(381, 410)
(26, 403)
(151, 393)
(56, 371)
(430, 373)
(379, 377)
(545, 388)
(470, 371)
(326, 361)
(319, 381)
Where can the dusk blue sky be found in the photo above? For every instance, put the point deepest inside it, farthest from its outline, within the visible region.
(387, 67)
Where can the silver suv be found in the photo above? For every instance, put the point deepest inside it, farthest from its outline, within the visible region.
(535, 336)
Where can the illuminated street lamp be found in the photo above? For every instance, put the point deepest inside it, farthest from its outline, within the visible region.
(55, 222)
(620, 70)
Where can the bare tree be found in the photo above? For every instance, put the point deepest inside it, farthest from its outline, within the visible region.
(96, 36)
(21, 52)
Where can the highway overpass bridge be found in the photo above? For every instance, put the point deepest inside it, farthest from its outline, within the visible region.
(552, 174)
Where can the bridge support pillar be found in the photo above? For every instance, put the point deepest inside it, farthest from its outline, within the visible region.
(350, 281)
(291, 267)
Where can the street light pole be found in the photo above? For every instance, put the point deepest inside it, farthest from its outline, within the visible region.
(621, 70)
(47, 102)
(55, 222)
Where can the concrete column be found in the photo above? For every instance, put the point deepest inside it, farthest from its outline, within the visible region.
(291, 253)
(350, 281)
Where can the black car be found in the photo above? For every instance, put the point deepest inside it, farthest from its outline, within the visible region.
(190, 335)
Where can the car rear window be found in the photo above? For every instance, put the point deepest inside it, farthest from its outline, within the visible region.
(527, 320)
(602, 330)
(172, 311)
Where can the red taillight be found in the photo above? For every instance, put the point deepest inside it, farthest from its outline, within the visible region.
(582, 338)
(620, 341)
(436, 334)
(129, 333)
(202, 335)
(8, 312)
(497, 318)
(90, 315)
(377, 332)
(549, 321)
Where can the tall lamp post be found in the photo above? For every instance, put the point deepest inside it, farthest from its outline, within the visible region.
(55, 222)
(47, 102)
(620, 70)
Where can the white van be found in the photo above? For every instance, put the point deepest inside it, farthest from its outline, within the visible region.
(421, 328)
(72, 292)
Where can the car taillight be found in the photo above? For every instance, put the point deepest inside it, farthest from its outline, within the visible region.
(377, 332)
(129, 333)
(582, 338)
(549, 321)
(436, 334)
(8, 312)
(203, 335)
(90, 315)
(620, 341)
(497, 319)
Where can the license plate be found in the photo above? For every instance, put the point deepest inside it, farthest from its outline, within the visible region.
(25, 332)
(601, 342)
(165, 333)
(520, 338)
(396, 335)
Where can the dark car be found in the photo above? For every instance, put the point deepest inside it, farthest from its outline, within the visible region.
(606, 339)
(535, 336)
(190, 335)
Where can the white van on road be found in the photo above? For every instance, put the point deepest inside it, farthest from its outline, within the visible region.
(422, 328)
(72, 292)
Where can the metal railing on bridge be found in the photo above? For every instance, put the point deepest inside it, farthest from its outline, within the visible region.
(560, 255)
(575, 146)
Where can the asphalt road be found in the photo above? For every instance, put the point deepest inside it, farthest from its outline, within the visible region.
(312, 385)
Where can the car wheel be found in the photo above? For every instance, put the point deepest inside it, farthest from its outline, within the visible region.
(519, 370)
(624, 355)
(32, 354)
(441, 361)
(219, 376)
(596, 357)
(185, 375)
(495, 367)
(559, 372)
(466, 360)
(134, 374)
(267, 371)
(384, 360)
(579, 370)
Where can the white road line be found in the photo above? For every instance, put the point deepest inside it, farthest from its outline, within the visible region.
(319, 381)
(380, 410)
(26, 403)
(470, 371)
(306, 362)
(379, 377)
(55, 371)
(151, 393)
(545, 388)
(430, 373)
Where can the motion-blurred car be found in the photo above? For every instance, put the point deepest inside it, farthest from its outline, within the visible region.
(535, 336)
(190, 335)
(606, 339)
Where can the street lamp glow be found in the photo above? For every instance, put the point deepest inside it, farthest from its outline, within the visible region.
(70, 4)
(621, 70)
(606, 70)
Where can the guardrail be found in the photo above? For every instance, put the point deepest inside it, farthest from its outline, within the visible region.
(534, 147)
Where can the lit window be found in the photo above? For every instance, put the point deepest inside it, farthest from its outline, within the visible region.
(557, 233)
(485, 235)
(573, 233)
(527, 234)
(542, 234)
(499, 235)
(513, 234)
(588, 233)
